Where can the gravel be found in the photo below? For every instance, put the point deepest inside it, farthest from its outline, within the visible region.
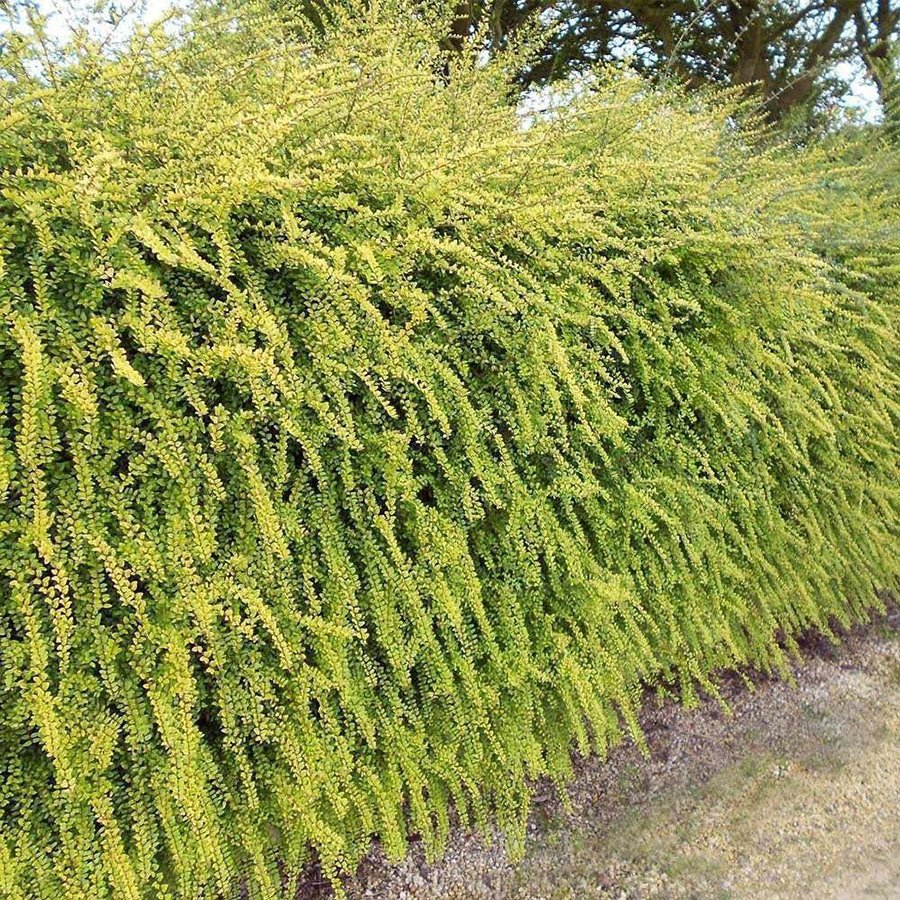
(794, 793)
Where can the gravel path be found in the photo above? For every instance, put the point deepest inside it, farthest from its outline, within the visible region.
(795, 794)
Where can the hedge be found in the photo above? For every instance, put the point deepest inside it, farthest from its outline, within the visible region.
(369, 444)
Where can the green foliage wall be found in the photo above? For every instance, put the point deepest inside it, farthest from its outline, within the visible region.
(363, 447)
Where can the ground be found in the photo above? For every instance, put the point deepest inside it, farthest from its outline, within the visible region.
(794, 793)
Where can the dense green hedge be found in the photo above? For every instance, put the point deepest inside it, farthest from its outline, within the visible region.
(366, 445)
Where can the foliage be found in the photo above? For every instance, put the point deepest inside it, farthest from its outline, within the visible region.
(365, 447)
(891, 90)
(787, 51)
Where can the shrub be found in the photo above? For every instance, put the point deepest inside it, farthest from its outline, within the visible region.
(367, 444)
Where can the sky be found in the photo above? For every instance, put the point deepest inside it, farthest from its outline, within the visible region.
(63, 14)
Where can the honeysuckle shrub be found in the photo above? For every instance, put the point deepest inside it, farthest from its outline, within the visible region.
(368, 444)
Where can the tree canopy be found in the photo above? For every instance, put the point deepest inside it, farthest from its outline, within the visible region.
(789, 50)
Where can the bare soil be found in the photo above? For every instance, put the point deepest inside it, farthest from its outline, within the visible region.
(793, 793)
